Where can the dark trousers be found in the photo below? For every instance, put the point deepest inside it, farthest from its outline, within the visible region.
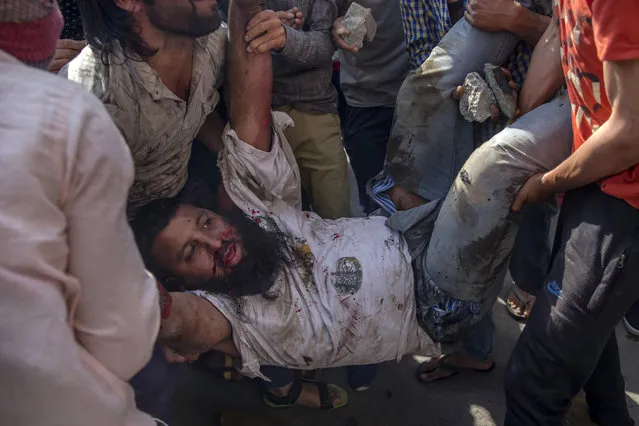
(530, 259)
(154, 386)
(569, 342)
(366, 132)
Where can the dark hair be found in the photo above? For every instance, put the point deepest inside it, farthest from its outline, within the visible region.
(147, 224)
(267, 251)
(109, 28)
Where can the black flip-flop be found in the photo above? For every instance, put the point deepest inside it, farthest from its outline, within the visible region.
(444, 366)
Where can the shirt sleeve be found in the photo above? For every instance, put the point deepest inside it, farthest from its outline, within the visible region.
(258, 176)
(117, 318)
(312, 46)
(614, 27)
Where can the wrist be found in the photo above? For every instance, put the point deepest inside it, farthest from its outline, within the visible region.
(551, 181)
(171, 326)
(518, 18)
(166, 301)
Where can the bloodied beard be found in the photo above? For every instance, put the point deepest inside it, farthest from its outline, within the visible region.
(265, 254)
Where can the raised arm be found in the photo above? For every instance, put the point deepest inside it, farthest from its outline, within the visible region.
(545, 74)
(250, 79)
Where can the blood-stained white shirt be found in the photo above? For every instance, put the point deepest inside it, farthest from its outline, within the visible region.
(79, 312)
(348, 300)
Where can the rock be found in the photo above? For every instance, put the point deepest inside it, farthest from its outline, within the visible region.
(505, 95)
(359, 21)
(476, 99)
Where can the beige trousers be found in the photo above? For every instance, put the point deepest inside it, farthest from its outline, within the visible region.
(317, 144)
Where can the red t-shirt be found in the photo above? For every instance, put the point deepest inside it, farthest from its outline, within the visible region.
(593, 31)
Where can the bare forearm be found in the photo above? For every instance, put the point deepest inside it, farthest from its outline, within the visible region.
(545, 74)
(611, 150)
(250, 80)
(194, 325)
(528, 25)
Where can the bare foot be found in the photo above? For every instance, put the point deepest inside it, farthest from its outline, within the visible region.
(405, 199)
(520, 305)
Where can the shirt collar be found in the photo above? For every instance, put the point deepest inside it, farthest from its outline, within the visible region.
(150, 80)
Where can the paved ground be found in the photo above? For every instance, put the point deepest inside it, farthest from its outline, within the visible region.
(396, 397)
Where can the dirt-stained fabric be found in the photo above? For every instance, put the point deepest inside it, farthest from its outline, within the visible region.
(349, 297)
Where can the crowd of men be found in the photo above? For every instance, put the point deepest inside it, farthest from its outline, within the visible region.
(176, 185)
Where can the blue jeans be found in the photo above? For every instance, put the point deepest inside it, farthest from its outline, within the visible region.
(475, 231)
(478, 342)
(366, 132)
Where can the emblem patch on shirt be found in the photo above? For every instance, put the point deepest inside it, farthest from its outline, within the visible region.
(347, 276)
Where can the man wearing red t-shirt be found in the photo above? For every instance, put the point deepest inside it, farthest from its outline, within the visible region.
(569, 341)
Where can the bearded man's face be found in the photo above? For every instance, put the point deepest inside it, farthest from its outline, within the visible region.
(227, 254)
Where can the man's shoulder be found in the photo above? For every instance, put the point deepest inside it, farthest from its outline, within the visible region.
(214, 45)
(44, 107)
(36, 86)
(103, 76)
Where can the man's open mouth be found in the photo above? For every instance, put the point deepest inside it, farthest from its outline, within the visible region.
(230, 254)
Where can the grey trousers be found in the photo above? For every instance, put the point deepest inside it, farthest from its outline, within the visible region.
(474, 233)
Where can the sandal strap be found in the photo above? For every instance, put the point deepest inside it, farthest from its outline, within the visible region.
(289, 399)
(525, 299)
(326, 403)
